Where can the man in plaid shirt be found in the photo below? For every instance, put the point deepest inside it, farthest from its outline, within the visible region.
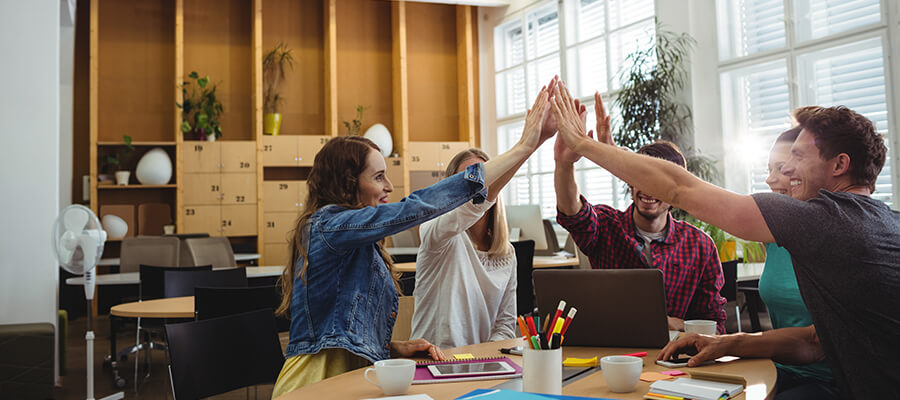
(644, 236)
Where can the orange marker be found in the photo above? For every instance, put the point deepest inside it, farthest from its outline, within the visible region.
(522, 327)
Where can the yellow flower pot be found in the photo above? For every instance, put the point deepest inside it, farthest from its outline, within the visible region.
(272, 124)
(728, 251)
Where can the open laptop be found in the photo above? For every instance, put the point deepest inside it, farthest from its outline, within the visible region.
(616, 307)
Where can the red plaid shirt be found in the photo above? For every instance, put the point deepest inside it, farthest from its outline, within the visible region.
(686, 255)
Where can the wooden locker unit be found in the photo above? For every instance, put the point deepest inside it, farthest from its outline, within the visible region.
(307, 147)
(238, 188)
(280, 151)
(202, 188)
(238, 156)
(282, 195)
(238, 220)
(202, 219)
(275, 253)
(277, 226)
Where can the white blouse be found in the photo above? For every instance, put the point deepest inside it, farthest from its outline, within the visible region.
(462, 296)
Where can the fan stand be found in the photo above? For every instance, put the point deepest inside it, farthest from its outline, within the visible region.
(89, 285)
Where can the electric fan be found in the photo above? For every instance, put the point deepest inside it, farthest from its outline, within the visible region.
(78, 244)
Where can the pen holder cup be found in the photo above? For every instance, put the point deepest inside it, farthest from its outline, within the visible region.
(542, 371)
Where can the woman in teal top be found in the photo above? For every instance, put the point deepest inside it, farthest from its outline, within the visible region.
(778, 284)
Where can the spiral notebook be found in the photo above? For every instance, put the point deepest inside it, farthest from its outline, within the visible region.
(423, 375)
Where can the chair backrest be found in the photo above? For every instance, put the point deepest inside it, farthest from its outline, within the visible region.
(180, 284)
(215, 302)
(729, 272)
(524, 286)
(185, 257)
(403, 324)
(153, 279)
(213, 250)
(149, 250)
(222, 354)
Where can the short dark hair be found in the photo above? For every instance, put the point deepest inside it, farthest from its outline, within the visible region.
(839, 130)
(665, 150)
(790, 135)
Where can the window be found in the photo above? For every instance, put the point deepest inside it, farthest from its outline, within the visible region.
(595, 37)
(777, 55)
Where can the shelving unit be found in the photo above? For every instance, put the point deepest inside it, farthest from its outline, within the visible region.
(410, 65)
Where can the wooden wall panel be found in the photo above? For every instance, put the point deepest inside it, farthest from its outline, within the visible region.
(433, 84)
(136, 65)
(299, 24)
(364, 75)
(217, 42)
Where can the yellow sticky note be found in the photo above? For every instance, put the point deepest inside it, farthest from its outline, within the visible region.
(464, 356)
(580, 362)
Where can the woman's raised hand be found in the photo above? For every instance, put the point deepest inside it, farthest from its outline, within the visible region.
(568, 118)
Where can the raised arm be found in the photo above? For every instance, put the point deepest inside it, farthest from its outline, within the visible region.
(793, 346)
(736, 214)
(499, 170)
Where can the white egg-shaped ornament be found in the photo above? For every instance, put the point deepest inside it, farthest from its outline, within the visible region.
(381, 136)
(154, 168)
(115, 226)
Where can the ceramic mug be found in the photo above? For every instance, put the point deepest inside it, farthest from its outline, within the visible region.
(393, 376)
(701, 326)
(621, 372)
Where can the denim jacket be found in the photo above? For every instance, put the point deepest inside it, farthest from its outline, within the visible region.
(349, 299)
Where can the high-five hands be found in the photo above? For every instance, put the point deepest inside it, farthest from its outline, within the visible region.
(604, 134)
(568, 118)
(534, 133)
(561, 153)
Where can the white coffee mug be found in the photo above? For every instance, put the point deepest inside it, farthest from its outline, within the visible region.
(394, 376)
(701, 326)
(621, 372)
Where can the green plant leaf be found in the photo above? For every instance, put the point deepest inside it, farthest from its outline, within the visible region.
(127, 140)
(203, 81)
(194, 75)
(185, 126)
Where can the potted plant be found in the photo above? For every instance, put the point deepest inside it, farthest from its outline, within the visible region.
(201, 110)
(273, 73)
(354, 125)
(115, 161)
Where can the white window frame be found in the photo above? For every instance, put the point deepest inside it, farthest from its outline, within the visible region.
(492, 18)
(739, 180)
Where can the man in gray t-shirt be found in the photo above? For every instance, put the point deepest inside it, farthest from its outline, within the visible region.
(845, 249)
(845, 245)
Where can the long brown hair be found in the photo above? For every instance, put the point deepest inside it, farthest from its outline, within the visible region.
(498, 229)
(334, 179)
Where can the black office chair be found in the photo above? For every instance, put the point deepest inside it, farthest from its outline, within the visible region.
(729, 289)
(180, 284)
(524, 286)
(204, 360)
(215, 302)
(151, 287)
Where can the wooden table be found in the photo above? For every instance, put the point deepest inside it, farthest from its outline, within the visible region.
(760, 375)
(539, 262)
(173, 307)
(134, 278)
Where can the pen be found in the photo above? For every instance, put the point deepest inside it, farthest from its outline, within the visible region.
(531, 329)
(559, 311)
(555, 341)
(638, 354)
(546, 320)
(558, 325)
(522, 327)
(569, 318)
(537, 324)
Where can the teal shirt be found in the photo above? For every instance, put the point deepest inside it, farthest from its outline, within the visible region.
(778, 289)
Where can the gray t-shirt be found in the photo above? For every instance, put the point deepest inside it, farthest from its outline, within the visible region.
(846, 253)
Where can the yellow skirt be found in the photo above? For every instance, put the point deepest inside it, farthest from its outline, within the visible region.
(304, 369)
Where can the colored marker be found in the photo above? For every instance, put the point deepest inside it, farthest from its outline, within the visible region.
(569, 318)
(522, 327)
(555, 341)
(532, 331)
(559, 311)
(534, 343)
(664, 396)
(638, 354)
(558, 325)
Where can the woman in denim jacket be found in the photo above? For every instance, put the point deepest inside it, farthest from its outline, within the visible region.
(339, 289)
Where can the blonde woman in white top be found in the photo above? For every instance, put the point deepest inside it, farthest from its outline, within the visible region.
(466, 270)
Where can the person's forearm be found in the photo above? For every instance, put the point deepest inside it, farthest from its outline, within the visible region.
(499, 166)
(498, 185)
(657, 177)
(795, 346)
(567, 200)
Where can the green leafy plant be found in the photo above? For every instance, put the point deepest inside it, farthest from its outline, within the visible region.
(274, 63)
(115, 160)
(201, 110)
(752, 251)
(354, 125)
(649, 104)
